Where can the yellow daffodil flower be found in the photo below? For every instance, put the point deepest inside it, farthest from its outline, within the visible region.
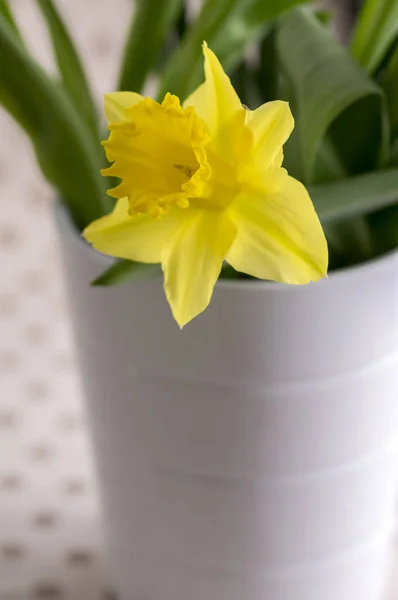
(201, 184)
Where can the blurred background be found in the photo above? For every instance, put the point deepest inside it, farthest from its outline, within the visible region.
(51, 544)
(50, 535)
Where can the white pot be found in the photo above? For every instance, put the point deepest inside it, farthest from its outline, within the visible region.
(253, 455)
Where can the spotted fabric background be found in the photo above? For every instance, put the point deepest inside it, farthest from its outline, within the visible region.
(51, 545)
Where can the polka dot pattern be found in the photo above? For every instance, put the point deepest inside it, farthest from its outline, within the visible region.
(51, 543)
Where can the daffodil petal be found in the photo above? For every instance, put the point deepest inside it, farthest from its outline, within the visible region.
(271, 125)
(115, 105)
(198, 99)
(215, 101)
(279, 235)
(140, 238)
(192, 261)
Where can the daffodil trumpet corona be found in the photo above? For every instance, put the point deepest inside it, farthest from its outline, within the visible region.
(202, 183)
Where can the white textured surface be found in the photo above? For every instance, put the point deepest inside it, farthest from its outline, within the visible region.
(50, 533)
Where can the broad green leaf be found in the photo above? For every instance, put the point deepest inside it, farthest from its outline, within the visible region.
(183, 64)
(394, 153)
(328, 165)
(228, 272)
(150, 26)
(324, 16)
(390, 85)
(244, 80)
(6, 13)
(351, 212)
(246, 26)
(228, 26)
(355, 196)
(376, 28)
(268, 69)
(70, 66)
(64, 144)
(384, 226)
(350, 242)
(173, 39)
(123, 271)
(182, 22)
(331, 95)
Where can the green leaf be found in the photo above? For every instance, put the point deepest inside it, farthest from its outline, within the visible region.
(324, 16)
(352, 212)
(70, 66)
(376, 28)
(384, 225)
(172, 40)
(328, 165)
(394, 153)
(246, 26)
(390, 85)
(355, 196)
(6, 13)
(244, 81)
(228, 26)
(125, 270)
(268, 68)
(350, 242)
(182, 23)
(63, 141)
(185, 60)
(331, 95)
(150, 26)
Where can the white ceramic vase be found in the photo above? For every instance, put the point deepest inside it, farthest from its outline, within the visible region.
(253, 455)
